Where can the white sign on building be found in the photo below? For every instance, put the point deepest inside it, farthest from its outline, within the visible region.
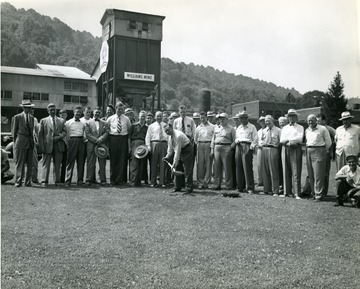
(104, 56)
(139, 76)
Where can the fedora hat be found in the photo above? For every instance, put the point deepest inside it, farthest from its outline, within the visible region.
(196, 115)
(101, 151)
(223, 115)
(292, 111)
(210, 113)
(26, 103)
(141, 151)
(261, 118)
(345, 115)
(243, 114)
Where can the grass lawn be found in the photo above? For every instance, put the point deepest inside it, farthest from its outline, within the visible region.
(146, 238)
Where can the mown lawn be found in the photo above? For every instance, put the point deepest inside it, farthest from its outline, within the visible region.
(146, 238)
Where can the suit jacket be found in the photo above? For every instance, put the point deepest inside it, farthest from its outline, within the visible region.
(93, 135)
(23, 137)
(47, 134)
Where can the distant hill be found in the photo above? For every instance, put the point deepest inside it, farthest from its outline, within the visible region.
(28, 37)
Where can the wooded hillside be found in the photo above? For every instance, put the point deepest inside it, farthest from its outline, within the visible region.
(28, 37)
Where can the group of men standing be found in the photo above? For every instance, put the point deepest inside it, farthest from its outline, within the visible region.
(171, 144)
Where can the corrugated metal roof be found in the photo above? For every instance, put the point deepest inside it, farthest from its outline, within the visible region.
(49, 71)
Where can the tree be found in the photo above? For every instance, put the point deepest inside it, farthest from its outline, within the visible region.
(334, 101)
(311, 99)
(290, 98)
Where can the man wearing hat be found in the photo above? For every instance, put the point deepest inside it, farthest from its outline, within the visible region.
(246, 141)
(221, 143)
(156, 142)
(348, 181)
(130, 114)
(318, 142)
(347, 138)
(22, 129)
(196, 118)
(138, 162)
(261, 122)
(203, 136)
(292, 136)
(96, 132)
(174, 115)
(51, 143)
(211, 117)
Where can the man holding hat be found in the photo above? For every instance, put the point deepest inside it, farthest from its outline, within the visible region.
(221, 143)
(348, 181)
(22, 129)
(347, 138)
(138, 163)
(291, 138)
(51, 143)
(96, 132)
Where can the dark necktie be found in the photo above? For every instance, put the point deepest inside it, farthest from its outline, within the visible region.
(54, 125)
(183, 125)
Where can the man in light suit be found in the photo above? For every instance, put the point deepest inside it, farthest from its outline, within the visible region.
(22, 129)
(96, 132)
(51, 143)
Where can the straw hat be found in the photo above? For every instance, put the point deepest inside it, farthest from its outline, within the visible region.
(101, 151)
(141, 151)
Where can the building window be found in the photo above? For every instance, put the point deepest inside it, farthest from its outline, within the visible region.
(132, 25)
(145, 26)
(76, 86)
(75, 99)
(36, 96)
(6, 94)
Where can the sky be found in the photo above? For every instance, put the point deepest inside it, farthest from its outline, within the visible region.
(297, 44)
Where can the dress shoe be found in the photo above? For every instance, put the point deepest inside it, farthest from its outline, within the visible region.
(216, 188)
(298, 198)
(250, 192)
(36, 181)
(176, 190)
(225, 194)
(275, 195)
(17, 185)
(200, 187)
(339, 204)
(28, 185)
(188, 192)
(45, 184)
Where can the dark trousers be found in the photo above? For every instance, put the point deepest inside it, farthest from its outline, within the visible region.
(345, 191)
(118, 151)
(244, 167)
(137, 166)
(63, 166)
(75, 154)
(187, 163)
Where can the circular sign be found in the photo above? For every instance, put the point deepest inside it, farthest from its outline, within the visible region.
(104, 56)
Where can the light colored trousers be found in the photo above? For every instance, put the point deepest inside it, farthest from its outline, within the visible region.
(222, 161)
(204, 163)
(292, 164)
(316, 166)
(158, 152)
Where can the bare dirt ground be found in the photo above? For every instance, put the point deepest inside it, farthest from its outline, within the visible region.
(105, 237)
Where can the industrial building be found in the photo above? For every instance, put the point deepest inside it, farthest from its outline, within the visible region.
(66, 87)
